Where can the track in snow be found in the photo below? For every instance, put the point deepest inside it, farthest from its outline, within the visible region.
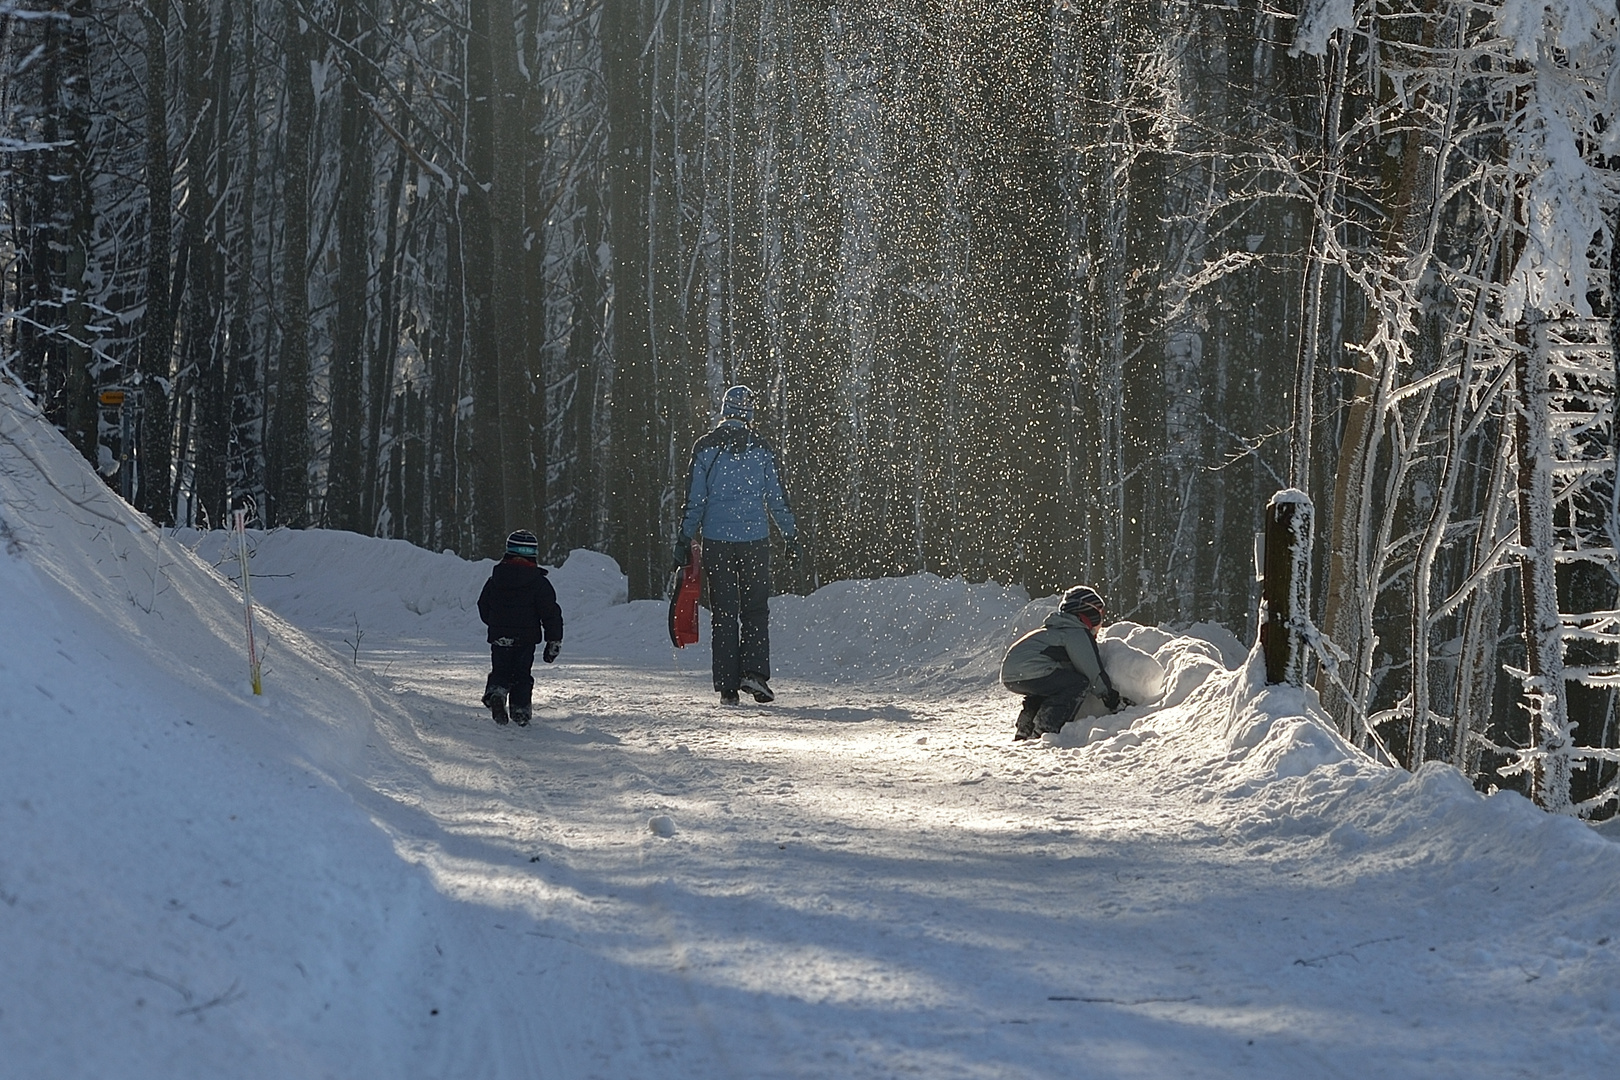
(885, 887)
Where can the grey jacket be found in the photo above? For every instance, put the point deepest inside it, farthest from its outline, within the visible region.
(1063, 640)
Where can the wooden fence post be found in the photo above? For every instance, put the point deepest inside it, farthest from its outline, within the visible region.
(1286, 586)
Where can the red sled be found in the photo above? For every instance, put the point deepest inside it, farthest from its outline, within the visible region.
(683, 600)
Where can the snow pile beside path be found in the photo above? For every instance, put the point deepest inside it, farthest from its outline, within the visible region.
(947, 633)
(920, 629)
(908, 631)
(333, 580)
(1266, 763)
(186, 889)
(1225, 734)
(136, 586)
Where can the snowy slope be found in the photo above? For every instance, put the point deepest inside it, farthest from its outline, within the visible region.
(186, 888)
(358, 875)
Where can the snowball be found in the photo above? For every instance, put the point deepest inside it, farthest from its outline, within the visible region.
(1135, 674)
(662, 825)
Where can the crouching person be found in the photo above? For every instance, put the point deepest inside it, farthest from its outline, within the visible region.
(1056, 666)
(520, 608)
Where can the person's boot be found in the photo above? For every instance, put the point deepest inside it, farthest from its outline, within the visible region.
(1049, 720)
(756, 685)
(495, 699)
(1025, 728)
(520, 715)
(730, 697)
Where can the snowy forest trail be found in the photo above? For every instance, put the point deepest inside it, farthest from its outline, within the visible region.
(357, 874)
(891, 887)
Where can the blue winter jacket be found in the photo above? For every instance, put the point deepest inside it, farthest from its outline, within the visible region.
(735, 489)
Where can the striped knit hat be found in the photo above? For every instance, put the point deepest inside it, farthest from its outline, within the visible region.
(524, 543)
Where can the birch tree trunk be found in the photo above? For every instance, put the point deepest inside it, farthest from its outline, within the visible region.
(1544, 689)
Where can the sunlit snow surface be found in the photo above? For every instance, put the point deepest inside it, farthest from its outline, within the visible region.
(359, 875)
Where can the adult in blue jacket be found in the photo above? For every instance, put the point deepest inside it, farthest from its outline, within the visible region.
(734, 492)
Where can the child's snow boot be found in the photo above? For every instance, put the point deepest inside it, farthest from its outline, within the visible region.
(496, 700)
(1025, 728)
(1050, 718)
(520, 715)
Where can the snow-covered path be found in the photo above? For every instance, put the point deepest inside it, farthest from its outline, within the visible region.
(358, 875)
(894, 888)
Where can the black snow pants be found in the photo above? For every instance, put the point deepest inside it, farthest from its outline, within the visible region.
(739, 577)
(1052, 698)
(511, 673)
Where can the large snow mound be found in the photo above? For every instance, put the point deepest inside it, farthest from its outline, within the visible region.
(389, 588)
(184, 879)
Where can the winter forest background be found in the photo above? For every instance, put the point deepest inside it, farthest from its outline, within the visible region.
(1042, 291)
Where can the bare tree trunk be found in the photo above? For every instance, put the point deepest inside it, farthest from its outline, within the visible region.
(346, 471)
(246, 476)
(483, 316)
(521, 397)
(157, 338)
(379, 395)
(1325, 212)
(208, 176)
(1477, 665)
(77, 414)
(287, 481)
(1405, 199)
(1544, 688)
(636, 471)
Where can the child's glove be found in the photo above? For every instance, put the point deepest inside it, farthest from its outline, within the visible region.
(793, 549)
(549, 653)
(683, 552)
(1111, 699)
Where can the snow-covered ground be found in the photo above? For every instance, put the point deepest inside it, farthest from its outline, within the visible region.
(358, 875)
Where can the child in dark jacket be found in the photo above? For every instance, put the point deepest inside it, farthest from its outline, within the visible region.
(520, 608)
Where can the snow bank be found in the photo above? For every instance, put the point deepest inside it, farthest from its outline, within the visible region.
(1266, 764)
(389, 588)
(907, 631)
(892, 632)
(184, 880)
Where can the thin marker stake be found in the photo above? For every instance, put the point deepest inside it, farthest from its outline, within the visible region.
(247, 598)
